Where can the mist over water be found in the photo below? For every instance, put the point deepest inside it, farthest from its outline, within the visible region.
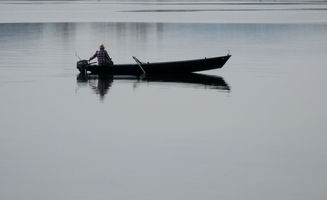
(251, 130)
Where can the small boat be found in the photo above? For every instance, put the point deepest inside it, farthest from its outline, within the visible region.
(175, 67)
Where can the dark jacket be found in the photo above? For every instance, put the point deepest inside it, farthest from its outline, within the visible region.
(103, 57)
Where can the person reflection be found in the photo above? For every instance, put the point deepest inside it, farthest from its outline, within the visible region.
(99, 84)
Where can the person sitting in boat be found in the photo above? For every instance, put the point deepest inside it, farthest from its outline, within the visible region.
(103, 57)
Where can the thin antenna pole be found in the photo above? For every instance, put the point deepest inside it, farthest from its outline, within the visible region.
(77, 56)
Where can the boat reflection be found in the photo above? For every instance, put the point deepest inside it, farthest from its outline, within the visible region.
(101, 84)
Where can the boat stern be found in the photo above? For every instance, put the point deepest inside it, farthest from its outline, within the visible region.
(81, 65)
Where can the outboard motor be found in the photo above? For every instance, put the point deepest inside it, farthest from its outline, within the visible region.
(81, 65)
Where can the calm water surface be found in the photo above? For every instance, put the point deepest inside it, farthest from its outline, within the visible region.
(255, 129)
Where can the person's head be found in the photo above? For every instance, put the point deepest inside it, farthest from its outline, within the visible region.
(101, 46)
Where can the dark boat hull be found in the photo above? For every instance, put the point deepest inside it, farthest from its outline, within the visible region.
(176, 67)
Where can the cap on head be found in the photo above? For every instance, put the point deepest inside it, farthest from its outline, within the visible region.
(101, 46)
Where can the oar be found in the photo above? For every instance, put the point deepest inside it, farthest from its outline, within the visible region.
(139, 64)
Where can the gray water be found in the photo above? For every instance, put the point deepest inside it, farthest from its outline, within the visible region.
(259, 134)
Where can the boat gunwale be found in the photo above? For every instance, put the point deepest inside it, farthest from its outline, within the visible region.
(169, 62)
